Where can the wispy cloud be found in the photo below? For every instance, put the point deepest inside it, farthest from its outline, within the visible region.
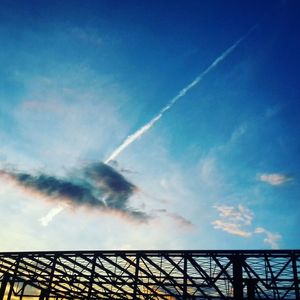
(87, 36)
(275, 179)
(234, 220)
(43, 106)
(238, 132)
(58, 104)
(141, 131)
(182, 222)
(272, 239)
(208, 171)
(273, 110)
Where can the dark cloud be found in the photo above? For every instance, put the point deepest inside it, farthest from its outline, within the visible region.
(97, 186)
(114, 186)
(114, 163)
(53, 187)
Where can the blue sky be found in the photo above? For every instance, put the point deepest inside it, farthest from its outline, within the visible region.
(219, 170)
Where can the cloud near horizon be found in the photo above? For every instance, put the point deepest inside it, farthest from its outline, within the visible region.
(275, 179)
(97, 186)
(237, 221)
(271, 238)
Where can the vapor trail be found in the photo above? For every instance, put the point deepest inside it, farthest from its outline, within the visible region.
(140, 132)
(51, 214)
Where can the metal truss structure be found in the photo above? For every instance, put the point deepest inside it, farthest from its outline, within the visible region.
(150, 275)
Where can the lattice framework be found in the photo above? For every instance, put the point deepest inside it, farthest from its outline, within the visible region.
(150, 275)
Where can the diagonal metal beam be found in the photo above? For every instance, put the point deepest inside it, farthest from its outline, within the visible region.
(195, 284)
(207, 278)
(151, 276)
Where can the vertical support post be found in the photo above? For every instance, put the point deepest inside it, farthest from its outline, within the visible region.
(22, 290)
(136, 276)
(251, 283)
(4, 283)
(92, 276)
(48, 291)
(11, 288)
(237, 268)
(43, 295)
(185, 293)
(12, 282)
(296, 279)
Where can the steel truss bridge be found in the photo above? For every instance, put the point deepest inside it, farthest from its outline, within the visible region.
(150, 275)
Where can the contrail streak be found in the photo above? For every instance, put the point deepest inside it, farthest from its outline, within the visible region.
(140, 132)
(51, 214)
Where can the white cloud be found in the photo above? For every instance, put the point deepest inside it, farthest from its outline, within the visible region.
(271, 238)
(275, 178)
(234, 220)
(240, 214)
(232, 228)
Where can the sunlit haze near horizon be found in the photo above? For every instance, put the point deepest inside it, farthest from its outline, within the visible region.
(149, 125)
